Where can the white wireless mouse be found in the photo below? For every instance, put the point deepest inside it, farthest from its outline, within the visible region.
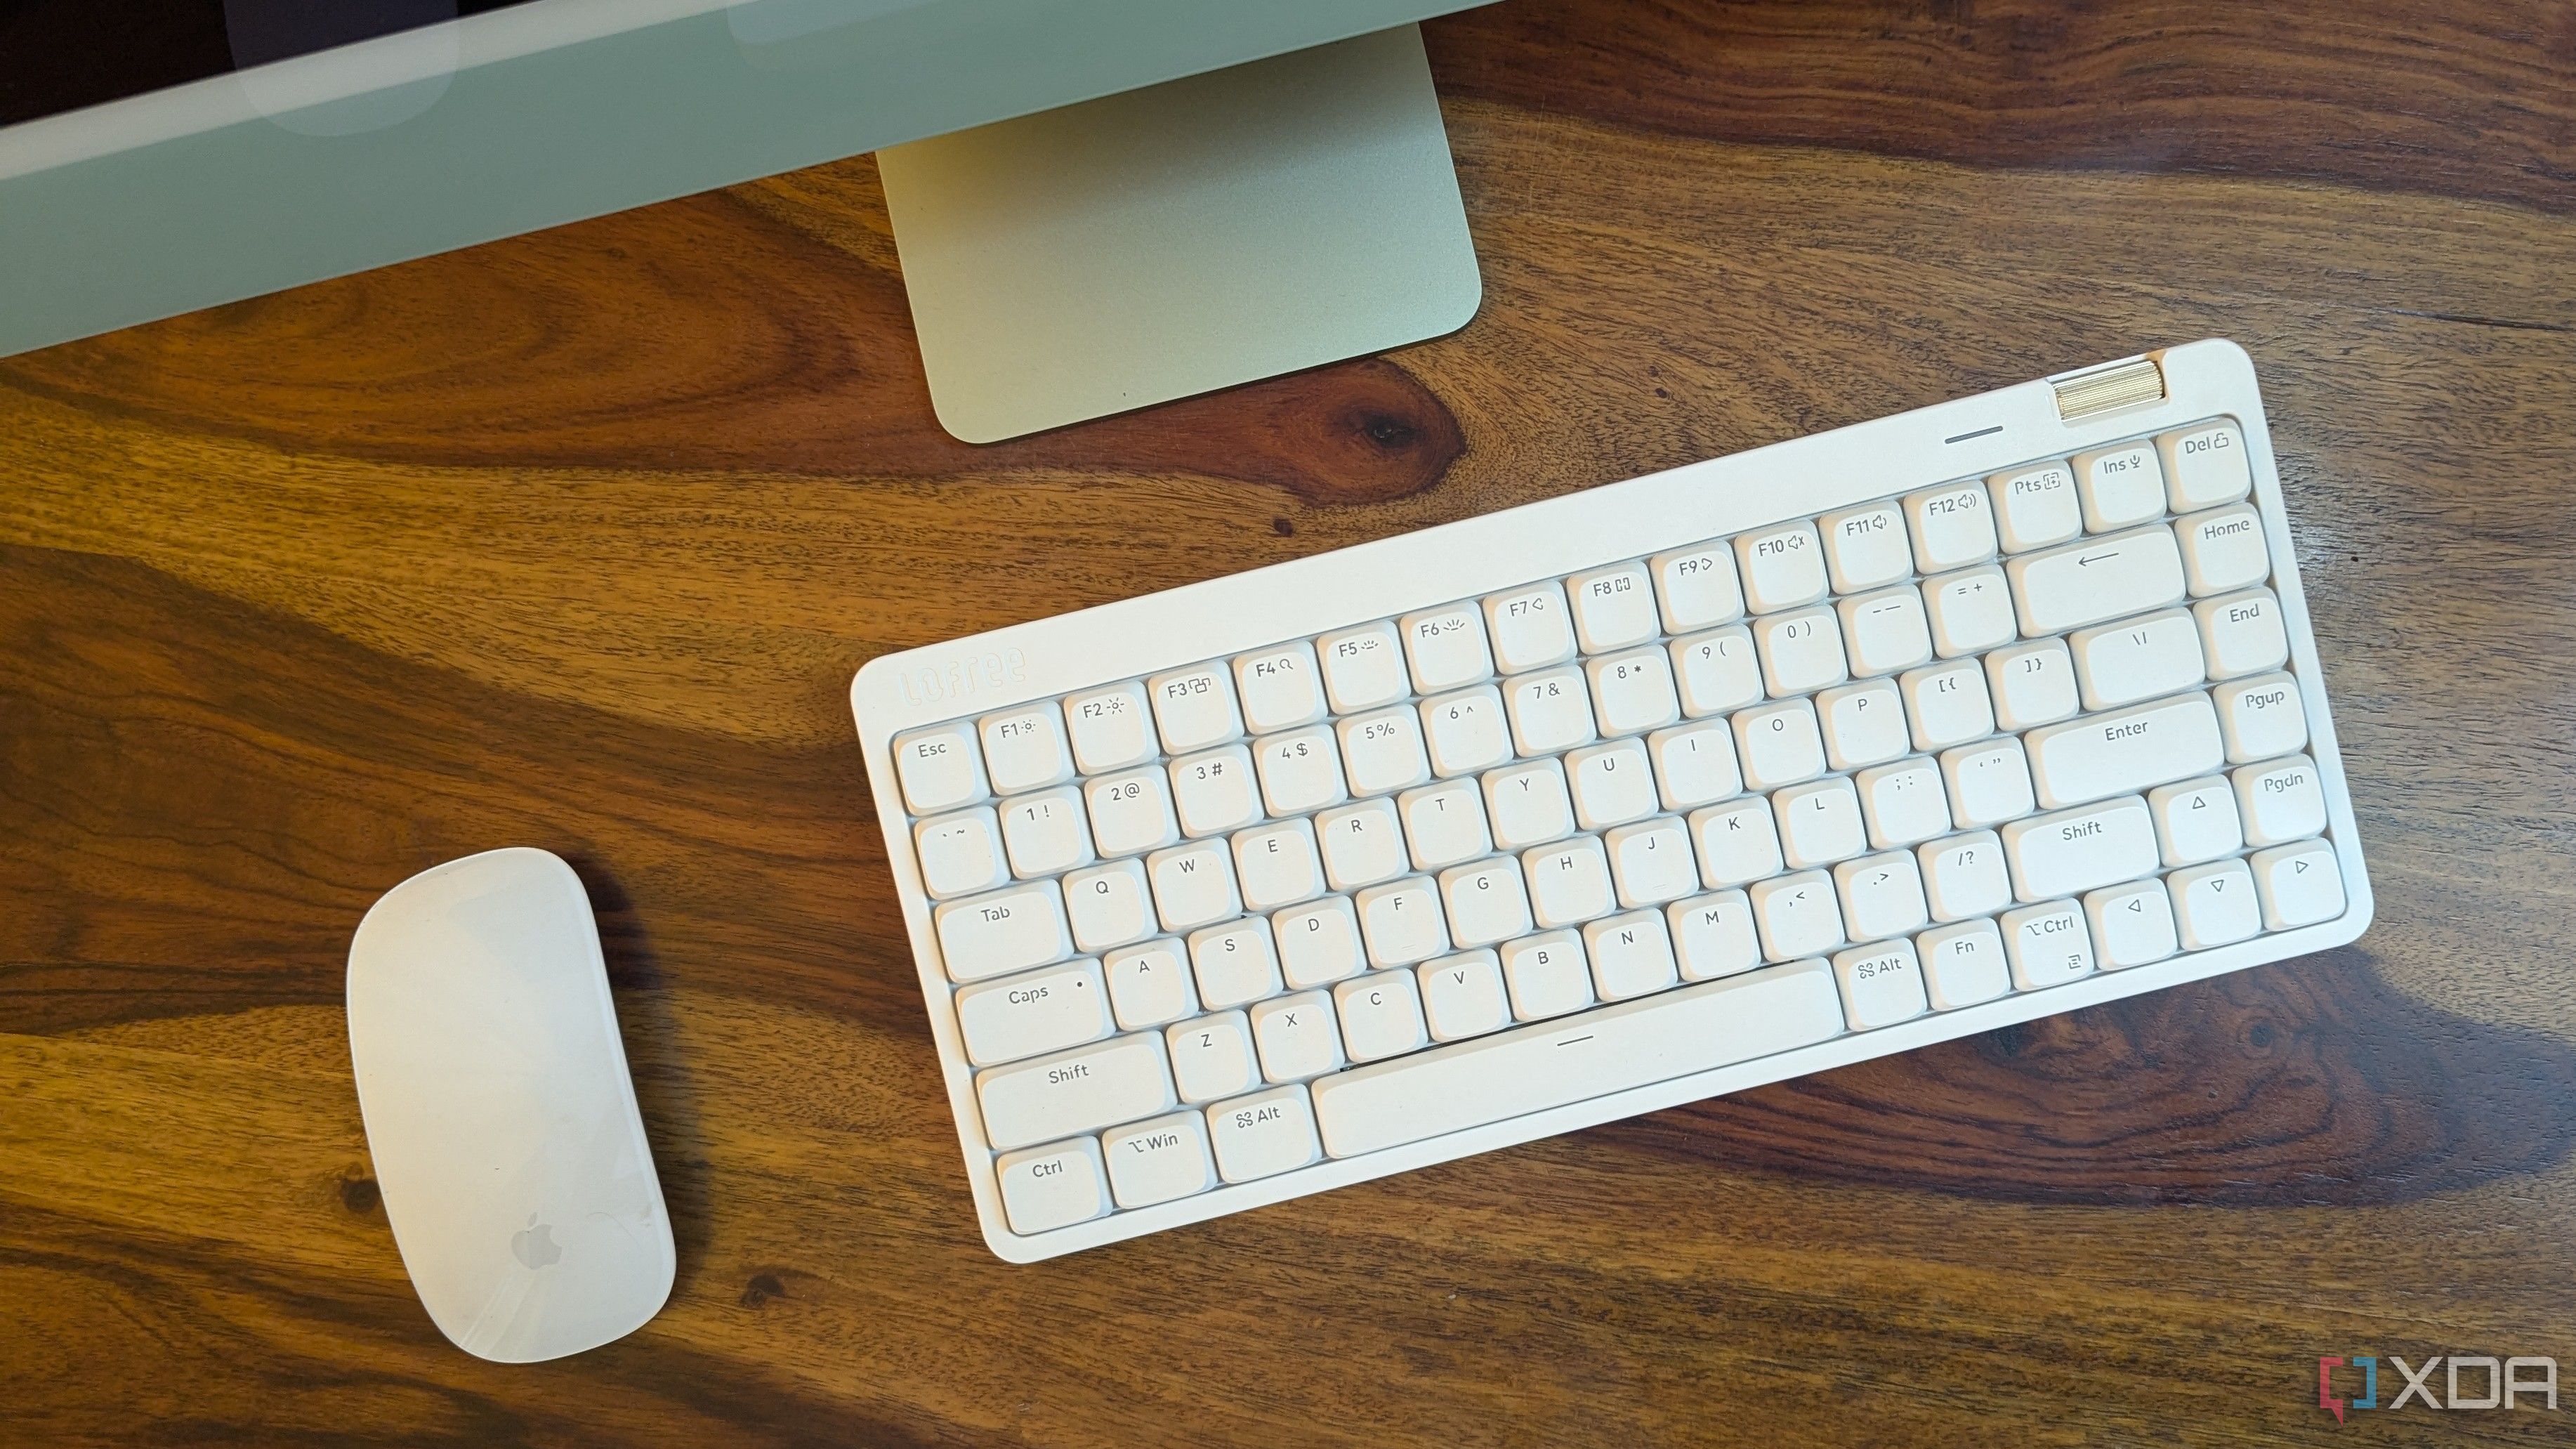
(499, 1112)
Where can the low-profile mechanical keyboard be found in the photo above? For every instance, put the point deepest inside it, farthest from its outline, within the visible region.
(1637, 795)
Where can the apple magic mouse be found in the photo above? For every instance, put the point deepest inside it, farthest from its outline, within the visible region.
(499, 1112)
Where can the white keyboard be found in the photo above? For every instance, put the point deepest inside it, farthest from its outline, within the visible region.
(1672, 787)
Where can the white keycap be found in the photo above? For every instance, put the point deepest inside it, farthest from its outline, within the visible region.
(2137, 659)
(961, 853)
(1964, 875)
(1631, 955)
(1779, 744)
(2300, 884)
(1300, 770)
(1797, 915)
(1024, 748)
(1820, 823)
(1446, 647)
(2281, 800)
(2120, 486)
(1363, 667)
(1111, 906)
(1613, 784)
(1466, 731)
(1550, 712)
(1276, 865)
(1485, 902)
(1697, 587)
(1528, 805)
(1864, 724)
(1193, 884)
(1363, 844)
(1972, 611)
(1319, 943)
(1234, 963)
(1886, 631)
(1212, 1057)
(1215, 791)
(2131, 925)
(1568, 883)
(2096, 581)
(1444, 823)
(1650, 862)
(1882, 896)
(1400, 923)
(2132, 749)
(1989, 783)
(1132, 812)
(2078, 850)
(1866, 547)
(1694, 764)
(1801, 651)
(1714, 936)
(2215, 905)
(1038, 1011)
(1383, 751)
(1881, 985)
(1614, 607)
(1005, 931)
(1264, 1135)
(1149, 985)
(1111, 728)
(940, 767)
(2242, 633)
(2223, 549)
(1382, 1014)
(1298, 1036)
(1046, 833)
(1045, 1188)
(1547, 975)
(2034, 684)
(1737, 843)
(1948, 704)
(2035, 506)
(2196, 820)
(1280, 688)
(1963, 964)
(1655, 1039)
(1633, 692)
(1781, 567)
(1081, 1090)
(1717, 671)
(2261, 718)
(2204, 466)
(2048, 945)
(1463, 996)
(1160, 1160)
(1194, 708)
(1953, 527)
(1529, 628)
(1903, 802)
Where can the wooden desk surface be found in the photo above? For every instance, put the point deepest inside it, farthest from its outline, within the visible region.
(575, 540)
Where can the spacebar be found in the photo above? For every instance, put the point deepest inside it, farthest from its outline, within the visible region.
(1652, 1039)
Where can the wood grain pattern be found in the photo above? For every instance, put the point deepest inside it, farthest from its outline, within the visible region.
(574, 541)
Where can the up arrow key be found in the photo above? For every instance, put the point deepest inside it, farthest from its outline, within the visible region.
(2097, 580)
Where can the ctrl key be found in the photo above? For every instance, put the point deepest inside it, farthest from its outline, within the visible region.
(1045, 1188)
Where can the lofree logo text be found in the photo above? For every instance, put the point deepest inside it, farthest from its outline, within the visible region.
(2490, 1383)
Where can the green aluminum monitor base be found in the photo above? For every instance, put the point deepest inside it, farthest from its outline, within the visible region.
(1181, 238)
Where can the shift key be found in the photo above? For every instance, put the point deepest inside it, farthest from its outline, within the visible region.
(1082, 1090)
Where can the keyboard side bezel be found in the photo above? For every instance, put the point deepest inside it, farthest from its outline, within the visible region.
(1969, 438)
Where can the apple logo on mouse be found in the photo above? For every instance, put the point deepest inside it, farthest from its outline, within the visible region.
(534, 1245)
